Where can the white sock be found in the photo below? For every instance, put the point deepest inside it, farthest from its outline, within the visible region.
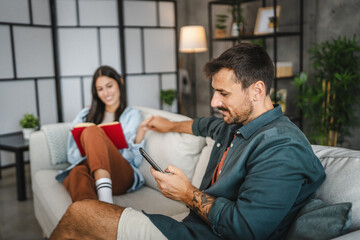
(104, 189)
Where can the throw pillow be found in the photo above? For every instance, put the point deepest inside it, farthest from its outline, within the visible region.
(57, 136)
(320, 220)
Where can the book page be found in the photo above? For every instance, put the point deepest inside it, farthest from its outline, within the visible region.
(84, 124)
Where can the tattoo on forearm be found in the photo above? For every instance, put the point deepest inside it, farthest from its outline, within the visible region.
(201, 204)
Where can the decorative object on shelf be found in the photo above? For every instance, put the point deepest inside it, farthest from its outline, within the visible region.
(29, 123)
(238, 21)
(284, 69)
(281, 96)
(193, 40)
(265, 20)
(329, 100)
(220, 26)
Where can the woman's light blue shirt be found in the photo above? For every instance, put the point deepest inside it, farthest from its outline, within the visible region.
(130, 120)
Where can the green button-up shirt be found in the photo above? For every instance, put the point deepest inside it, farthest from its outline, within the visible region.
(269, 173)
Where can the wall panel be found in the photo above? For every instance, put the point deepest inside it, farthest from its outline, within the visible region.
(143, 91)
(33, 51)
(110, 48)
(6, 59)
(17, 98)
(47, 101)
(167, 14)
(133, 51)
(87, 91)
(14, 11)
(160, 50)
(78, 50)
(41, 12)
(66, 12)
(98, 13)
(140, 13)
(71, 98)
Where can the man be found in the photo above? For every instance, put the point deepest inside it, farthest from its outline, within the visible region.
(261, 171)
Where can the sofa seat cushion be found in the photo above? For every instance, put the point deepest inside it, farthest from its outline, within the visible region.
(151, 201)
(342, 167)
(55, 199)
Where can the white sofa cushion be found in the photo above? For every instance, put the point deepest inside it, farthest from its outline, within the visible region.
(342, 167)
(180, 150)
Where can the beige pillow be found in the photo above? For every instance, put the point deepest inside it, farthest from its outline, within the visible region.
(180, 150)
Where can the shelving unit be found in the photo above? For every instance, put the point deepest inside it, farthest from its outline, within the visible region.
(274, 36)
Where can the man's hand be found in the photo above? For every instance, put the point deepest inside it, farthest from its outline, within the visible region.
(160, 124)
(163, 125)
(177, 186)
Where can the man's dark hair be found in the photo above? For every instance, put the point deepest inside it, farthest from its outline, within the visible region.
(250, 63)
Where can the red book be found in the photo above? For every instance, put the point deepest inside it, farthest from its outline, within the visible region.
(113, 130)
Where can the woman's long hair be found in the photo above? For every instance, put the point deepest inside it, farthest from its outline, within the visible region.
(97, 109)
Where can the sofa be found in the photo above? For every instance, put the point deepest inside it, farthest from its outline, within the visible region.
(190, 153)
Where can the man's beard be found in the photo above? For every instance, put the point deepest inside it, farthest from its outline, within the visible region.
(238, 118)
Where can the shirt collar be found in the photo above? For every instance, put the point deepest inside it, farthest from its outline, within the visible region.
(248, 129)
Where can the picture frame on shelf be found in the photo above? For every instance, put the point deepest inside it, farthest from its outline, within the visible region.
(264, 21)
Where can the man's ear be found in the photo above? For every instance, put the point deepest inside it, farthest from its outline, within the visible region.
(258, 89)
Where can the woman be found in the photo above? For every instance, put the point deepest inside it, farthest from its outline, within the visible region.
(104, 170)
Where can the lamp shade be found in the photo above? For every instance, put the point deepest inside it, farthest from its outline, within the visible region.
(192, 39)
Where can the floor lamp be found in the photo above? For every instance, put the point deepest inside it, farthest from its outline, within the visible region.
(193, 40)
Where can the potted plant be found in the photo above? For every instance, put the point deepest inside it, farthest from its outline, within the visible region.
(220, 26)
(168, 97)
(29, 123)
(329, 99)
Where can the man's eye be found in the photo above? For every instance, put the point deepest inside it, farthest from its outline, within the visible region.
(224, 94)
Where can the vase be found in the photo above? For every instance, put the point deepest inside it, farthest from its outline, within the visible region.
(220, 33)
(27, 132)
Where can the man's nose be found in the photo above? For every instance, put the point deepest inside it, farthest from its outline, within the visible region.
(215, 100)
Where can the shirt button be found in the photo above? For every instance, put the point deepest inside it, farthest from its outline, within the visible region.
(218, 144)
(231, 145)
(238, 132)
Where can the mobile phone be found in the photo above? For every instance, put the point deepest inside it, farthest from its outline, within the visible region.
(150, 160)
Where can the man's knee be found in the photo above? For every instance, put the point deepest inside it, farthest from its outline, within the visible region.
(78, 210)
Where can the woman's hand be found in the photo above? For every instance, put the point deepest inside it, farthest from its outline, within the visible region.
(142, 128)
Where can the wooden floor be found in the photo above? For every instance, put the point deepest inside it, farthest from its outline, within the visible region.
(17, 219)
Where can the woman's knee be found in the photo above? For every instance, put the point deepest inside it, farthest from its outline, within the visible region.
(91, 132)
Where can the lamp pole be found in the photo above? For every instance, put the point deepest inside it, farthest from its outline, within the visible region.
(193, 40)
